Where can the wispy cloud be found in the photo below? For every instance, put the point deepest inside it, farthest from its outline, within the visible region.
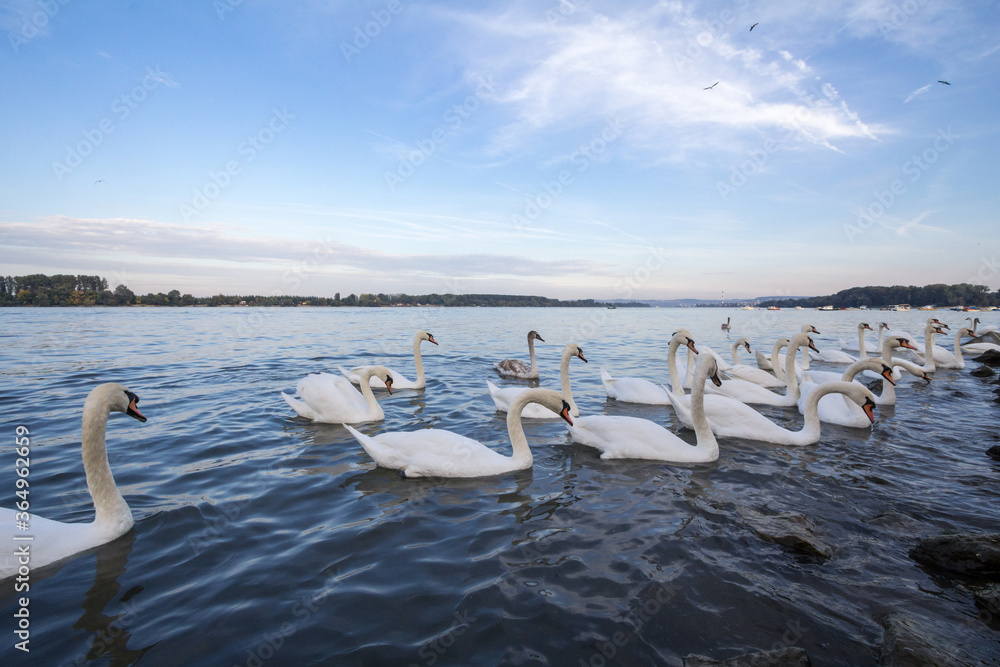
(918, 91)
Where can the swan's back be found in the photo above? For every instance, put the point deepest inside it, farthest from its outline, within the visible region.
(331, 398)
(514, 368)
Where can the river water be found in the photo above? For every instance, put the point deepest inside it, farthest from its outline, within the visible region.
(264, 539)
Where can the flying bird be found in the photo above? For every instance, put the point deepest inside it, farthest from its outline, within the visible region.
(99, 181)
(712, 86)
(753, 26)
(945, 83)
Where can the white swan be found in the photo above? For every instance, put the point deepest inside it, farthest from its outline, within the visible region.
(620, 437)
(750, 373)
(515, 368)
(748, 392)
(398, 380)
(686, 370)
(332, 399)
(52, 541)
(639, 390)
(730, 418)
(766, 363)
(864, 347)
(843, 410)
(439, 453)
(949, 360)
(504, 398)
(930, 332)
(839, 357)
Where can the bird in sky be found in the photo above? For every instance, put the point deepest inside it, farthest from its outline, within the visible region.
(753, 26)
(99, 181)
(712, 86)
(945, 83)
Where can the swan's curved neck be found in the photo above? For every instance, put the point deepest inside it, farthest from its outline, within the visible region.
(418, 362)
(863, 350)
(109, 506)
(775, 359)
(675, 378)
(366, 391)
(811, 426)
(736, 352)
(515, 430)
(703, 432)
(564, 376)
(791, 381)
(881, 329)
(958, 346)
(929, 336)
(531, 356)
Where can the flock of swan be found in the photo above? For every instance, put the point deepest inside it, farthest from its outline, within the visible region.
(718, 405)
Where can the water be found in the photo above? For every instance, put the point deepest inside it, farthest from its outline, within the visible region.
(261, 539)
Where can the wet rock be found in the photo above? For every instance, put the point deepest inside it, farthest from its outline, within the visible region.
(988, 598)
(789, 529)
(994, 451)
(908, 643)
(976, 554)
(790, 656)
(990, 358)
(983, 371)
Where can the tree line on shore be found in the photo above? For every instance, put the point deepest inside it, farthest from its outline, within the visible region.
(963, 294)
(69, 290)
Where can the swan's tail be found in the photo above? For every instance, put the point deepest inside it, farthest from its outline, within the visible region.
(301, 409)
(380, 454)
(606, 377)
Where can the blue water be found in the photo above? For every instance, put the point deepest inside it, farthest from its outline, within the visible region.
(263, 539)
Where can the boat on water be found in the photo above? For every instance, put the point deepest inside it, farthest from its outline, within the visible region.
(747, 307)
(798, 308)
(927, 308)
(825, 308)
(901, 307)
(773, 308)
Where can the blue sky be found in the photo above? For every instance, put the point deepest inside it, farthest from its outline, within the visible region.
(567, 149)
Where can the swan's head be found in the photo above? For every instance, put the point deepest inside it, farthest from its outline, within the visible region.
(808, 328)
(746, 344)
(938, 322)
(381, 372)
(861, 395)
(426, 335)
(117, 398)
(533, 335)
(548, 398)
(886, 372)
(883, 325)
(899, 341)
(575, 351)
(965, 331)
(712, 370)
(863, 326)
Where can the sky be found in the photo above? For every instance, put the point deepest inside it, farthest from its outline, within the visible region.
(591, 149)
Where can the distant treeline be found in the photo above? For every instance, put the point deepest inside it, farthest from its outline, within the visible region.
(877, 297)
(66, 290)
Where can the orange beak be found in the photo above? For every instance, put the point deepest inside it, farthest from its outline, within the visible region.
(690, 345)
(869, 408)
(564, 413)
(887, 374)
(388, 384)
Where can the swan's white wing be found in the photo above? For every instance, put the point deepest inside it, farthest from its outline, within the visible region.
(433, 453)
(53, 540)
(634, 390)
(755, 375)
(620, 437)
(301, 409)
(332, 398)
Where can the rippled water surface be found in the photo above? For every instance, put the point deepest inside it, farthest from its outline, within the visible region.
(263, 539)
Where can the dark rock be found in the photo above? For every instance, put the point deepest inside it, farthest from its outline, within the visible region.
(983, 372)
(994, 451)
(989, 599)
(965, 553)
(790, 529)
(792, 656)
(990, 358)
(908, 643)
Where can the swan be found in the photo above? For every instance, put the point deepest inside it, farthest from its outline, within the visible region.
(726, 326)
(766, 363)
(748, 392)
(750, 373)
(913, 341)
(398, 380)
(515, 368)
(839, 357)
(930, 331)
(976, 331)
(949, 360)
(620, 437)
(730, 418)
(439, 453)
(864, 347)
(639, 390)
(52, 541)
(504, 398)
(332, 399)
(844, 411)
(690, 363)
